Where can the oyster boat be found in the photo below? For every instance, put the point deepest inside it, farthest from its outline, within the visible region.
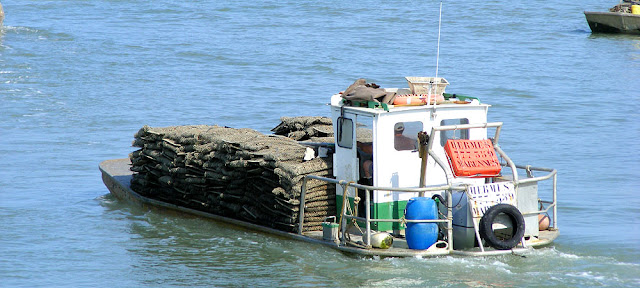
(411, 180)
(622, 18)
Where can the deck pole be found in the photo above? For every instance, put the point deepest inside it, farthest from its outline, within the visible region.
(301, 212)
(450, 219)
(367, 213)
(423, 139)
(555, 206)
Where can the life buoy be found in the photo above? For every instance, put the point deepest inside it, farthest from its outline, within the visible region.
(486, 226)
(417, 99)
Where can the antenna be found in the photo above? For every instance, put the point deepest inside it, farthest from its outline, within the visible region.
(438, 52)
(435, 97)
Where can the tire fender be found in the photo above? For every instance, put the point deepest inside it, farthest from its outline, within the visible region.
(486, 229)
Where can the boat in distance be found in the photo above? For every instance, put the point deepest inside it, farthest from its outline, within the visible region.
(623, 18)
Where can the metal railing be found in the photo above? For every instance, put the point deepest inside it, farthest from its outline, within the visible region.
(509, 163)
(448, 188)
(367, 219)
(531, 179)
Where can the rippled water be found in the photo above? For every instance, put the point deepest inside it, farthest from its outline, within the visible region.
(79, 78)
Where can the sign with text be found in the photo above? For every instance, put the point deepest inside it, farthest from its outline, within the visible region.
(482, 197)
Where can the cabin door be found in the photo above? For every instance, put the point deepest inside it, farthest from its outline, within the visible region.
(397, 164)
(345, 161)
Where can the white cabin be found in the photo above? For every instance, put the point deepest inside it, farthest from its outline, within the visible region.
(395, 163)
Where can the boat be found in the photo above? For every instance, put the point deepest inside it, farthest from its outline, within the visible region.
(411, 180)
(622, 18)
(1, 15)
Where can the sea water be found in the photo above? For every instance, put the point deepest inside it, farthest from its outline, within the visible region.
(79, 78)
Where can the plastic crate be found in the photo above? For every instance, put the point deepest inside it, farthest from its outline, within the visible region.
(472, 158)
(420, 85)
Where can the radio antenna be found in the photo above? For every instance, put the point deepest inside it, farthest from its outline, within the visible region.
(438, 51)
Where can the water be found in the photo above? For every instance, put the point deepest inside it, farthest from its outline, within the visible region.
(79, 78)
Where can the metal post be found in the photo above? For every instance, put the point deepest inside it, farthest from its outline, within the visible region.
(475, 228)
(301, 212)
(423, 138)
(514, 170)
(450, 218)
(555, 206)
(496, 137)
(367, 213)
(343, 226)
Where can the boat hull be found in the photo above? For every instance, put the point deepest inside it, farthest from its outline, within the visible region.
(117, 177)
(613, 22)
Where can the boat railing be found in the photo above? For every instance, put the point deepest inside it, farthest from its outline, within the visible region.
(552, 173)
(449, 187)
(367, 219)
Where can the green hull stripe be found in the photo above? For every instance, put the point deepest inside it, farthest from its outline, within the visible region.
(388, 210)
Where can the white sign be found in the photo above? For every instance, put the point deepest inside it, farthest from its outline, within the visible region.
(482, 197)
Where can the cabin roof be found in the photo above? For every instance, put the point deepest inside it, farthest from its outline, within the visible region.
(337, 102)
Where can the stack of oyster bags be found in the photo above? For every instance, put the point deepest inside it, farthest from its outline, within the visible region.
(237, 173)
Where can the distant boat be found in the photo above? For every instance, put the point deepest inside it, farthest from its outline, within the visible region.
(1, 14)
(622, 18)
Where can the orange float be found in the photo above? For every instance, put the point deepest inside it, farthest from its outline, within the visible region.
(543, 222)
(417, 99)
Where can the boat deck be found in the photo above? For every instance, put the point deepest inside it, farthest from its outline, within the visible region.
(117, 176)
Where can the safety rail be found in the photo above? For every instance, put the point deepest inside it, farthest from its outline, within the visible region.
(367, 219)
(448, 188)
(551, 173)
(509, 163)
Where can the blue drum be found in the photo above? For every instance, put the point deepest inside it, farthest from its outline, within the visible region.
(421, 236)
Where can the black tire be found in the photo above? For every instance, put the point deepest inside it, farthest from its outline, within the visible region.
(486, 229)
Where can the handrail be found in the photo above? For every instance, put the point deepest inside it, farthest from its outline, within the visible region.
(441, 164)
(361, 186)
(465, 126)
(497, 125)
(448, 187)
(541, 211)
(396, 220)
(512, 165)
(552, 172)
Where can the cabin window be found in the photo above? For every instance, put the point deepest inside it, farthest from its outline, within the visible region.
(405, 135)
(453, 134)
(364, 140)
(345, 133)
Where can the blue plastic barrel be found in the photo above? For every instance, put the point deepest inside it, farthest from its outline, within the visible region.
(421, 208)
(421, 236)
